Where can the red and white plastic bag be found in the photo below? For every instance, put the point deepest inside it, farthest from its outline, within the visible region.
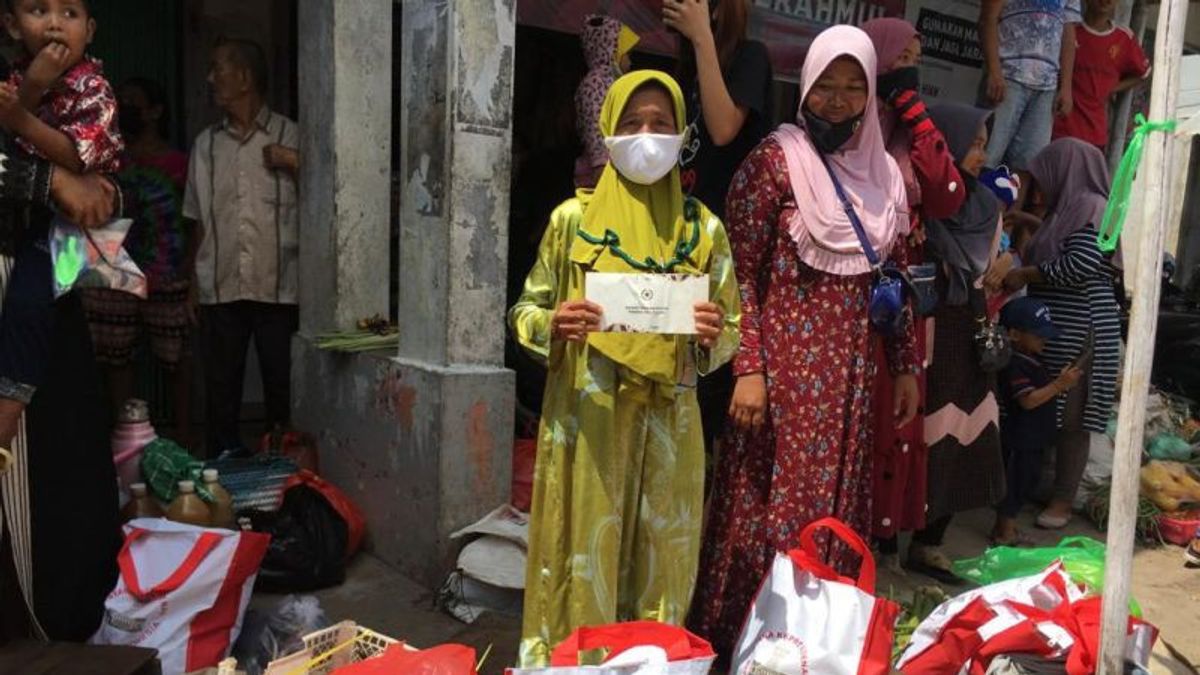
(634, 648)
(1043, 615)
(808, 619)
(182, 590)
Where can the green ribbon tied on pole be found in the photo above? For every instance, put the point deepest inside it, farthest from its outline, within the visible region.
(1118, 199)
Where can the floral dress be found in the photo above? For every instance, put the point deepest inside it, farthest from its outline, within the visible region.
(808, 332)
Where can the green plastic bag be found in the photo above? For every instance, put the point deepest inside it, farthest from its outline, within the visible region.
(1083, 558)
(164, 464)
(1168, 446)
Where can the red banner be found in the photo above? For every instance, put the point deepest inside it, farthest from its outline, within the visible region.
(785, 26)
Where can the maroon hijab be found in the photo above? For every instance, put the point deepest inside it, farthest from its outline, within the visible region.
(890, 37)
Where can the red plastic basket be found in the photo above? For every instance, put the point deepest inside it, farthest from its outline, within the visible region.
(1179, 528)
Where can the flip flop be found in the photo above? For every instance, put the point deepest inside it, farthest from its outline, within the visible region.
(1191, 554)
(933, 564)
(1049, 522)
(1021, 540)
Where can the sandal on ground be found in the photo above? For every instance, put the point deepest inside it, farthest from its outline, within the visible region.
(1191, 554)
(891, 563)
(934, 564)
(1048, 521)
(1020, 540)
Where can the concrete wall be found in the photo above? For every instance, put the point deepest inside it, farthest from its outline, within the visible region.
(423, 451)
(345, 177)
(421, 440)
(268, 22)
(456, 119)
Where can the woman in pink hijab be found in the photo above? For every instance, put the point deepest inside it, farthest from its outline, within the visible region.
(800, 448)
(935, 189)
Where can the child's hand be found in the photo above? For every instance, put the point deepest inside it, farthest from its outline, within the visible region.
(1015, 280)
(993, 280)
(1068, 378)
(1064, 103)
(49, 65)
(10, 106)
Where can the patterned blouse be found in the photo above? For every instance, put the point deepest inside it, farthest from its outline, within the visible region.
(81, 104)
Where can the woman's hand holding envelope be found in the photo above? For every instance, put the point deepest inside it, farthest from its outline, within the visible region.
(709, 321)
(574, 320)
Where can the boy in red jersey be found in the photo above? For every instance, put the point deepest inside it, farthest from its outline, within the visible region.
(1108, 60)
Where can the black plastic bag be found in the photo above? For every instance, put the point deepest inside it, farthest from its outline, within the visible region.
(278, 633)
(308, 543)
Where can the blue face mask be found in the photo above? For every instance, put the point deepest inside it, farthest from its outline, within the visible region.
(1005, 241)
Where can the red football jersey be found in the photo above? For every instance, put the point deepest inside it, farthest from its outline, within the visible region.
(1102, 60)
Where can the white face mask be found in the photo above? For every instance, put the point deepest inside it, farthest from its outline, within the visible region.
(644, 158)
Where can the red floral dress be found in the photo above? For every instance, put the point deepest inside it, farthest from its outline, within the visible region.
(808, 332)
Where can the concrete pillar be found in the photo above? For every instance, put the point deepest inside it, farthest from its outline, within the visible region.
(456, 399)
(422, 439)
(456, 131)
(1130, 13)
(345, 82)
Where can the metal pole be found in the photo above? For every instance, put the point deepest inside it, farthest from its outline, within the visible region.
(1139, 353)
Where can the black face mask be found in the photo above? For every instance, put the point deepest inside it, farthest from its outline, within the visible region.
(901, 79)
(827, 136)
(130, 122)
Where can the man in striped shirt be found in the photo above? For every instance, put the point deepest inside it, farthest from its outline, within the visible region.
(241, 191)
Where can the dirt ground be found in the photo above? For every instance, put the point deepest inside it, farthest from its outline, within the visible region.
(380, 598)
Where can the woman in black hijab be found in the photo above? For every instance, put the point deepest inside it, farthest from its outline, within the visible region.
(59, 534)
(966, 468)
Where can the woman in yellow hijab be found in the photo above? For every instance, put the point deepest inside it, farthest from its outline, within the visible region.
(618, 490)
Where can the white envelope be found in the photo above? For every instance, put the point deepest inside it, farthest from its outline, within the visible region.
(647, 303)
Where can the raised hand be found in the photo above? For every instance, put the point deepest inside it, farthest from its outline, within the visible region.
(49, 65)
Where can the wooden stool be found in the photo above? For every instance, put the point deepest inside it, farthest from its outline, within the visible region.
(68, 658)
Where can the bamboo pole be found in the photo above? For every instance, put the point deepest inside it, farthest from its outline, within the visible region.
(1139, 351)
